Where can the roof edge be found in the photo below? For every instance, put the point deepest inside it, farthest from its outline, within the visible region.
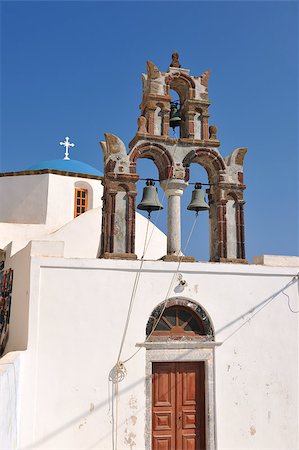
(53, 171)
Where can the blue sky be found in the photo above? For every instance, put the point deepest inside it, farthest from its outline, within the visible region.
(74, 68)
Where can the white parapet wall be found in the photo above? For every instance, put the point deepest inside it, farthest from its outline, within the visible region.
(276, 260)
(9, 400)
(77, 314)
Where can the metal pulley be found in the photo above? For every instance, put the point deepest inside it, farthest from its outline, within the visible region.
(175, 116)
(198, 202)
(150, 200)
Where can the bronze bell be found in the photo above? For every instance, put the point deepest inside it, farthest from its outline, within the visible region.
(175, 115)
(198, 202)
(150, 200)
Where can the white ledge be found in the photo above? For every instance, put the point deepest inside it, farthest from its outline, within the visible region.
(178, 344)
(276, 260)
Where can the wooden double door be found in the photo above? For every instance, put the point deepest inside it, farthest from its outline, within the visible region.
(178, 406)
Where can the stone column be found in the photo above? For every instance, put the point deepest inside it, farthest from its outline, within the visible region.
(174, 190)
(218, 234)
(205, 125)
(165, 124)
(151, 121)
(240, 230)
(190, 124)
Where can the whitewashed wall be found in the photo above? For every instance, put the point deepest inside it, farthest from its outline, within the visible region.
(24, 198)
(62, 193)
(44, 199)
(76, 319)
(82, 236)
(9, 400)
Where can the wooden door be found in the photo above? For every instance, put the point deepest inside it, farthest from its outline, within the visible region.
(178, 420)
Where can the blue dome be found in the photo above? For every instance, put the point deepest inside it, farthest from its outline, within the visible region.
(67, 165)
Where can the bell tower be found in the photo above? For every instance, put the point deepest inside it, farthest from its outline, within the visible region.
(173, 156)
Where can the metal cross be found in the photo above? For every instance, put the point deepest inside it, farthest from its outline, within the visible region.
(67, 144)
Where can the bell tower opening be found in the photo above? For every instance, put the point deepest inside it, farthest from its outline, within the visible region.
(175, 116)
(201, 245)
(153, 198)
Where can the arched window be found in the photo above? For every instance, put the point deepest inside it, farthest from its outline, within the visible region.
(177, 321)
(81, 201)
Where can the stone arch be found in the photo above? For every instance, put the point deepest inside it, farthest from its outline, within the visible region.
(237, 196)
(158, 154)
(209, 159)
(124, 187)
(182, 83)
(186, 303)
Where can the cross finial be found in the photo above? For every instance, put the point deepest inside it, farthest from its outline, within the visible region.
(67, 144)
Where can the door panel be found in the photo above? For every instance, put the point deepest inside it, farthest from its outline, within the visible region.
(163, 443)
(189, 443)
(163, 419)
(178, 406)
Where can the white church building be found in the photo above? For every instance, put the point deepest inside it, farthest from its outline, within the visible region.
(111, 337)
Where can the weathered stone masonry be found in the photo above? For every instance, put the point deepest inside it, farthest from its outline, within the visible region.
(197, 144)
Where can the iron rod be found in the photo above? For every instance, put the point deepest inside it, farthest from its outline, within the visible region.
(197, 182)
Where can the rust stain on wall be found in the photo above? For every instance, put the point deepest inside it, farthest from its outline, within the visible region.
(252, 430)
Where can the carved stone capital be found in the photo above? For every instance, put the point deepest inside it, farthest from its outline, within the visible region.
(174, 187)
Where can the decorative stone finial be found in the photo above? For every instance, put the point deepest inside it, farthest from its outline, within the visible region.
(152, 70)
(115, 146)
(213, 132)
(67, 144)
(205, 77)
(175, 60)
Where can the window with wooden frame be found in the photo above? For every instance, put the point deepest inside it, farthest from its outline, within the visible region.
(81, 201)
(178, 322)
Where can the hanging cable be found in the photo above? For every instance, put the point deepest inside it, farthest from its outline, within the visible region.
(136, 282)
(169, 289)
(296, 277)
(119, 366)
(133, 295)
(172, 280)
(268, 301)
(118, 372)
(162, 201)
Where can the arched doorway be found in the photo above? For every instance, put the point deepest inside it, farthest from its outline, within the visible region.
(180, 376)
